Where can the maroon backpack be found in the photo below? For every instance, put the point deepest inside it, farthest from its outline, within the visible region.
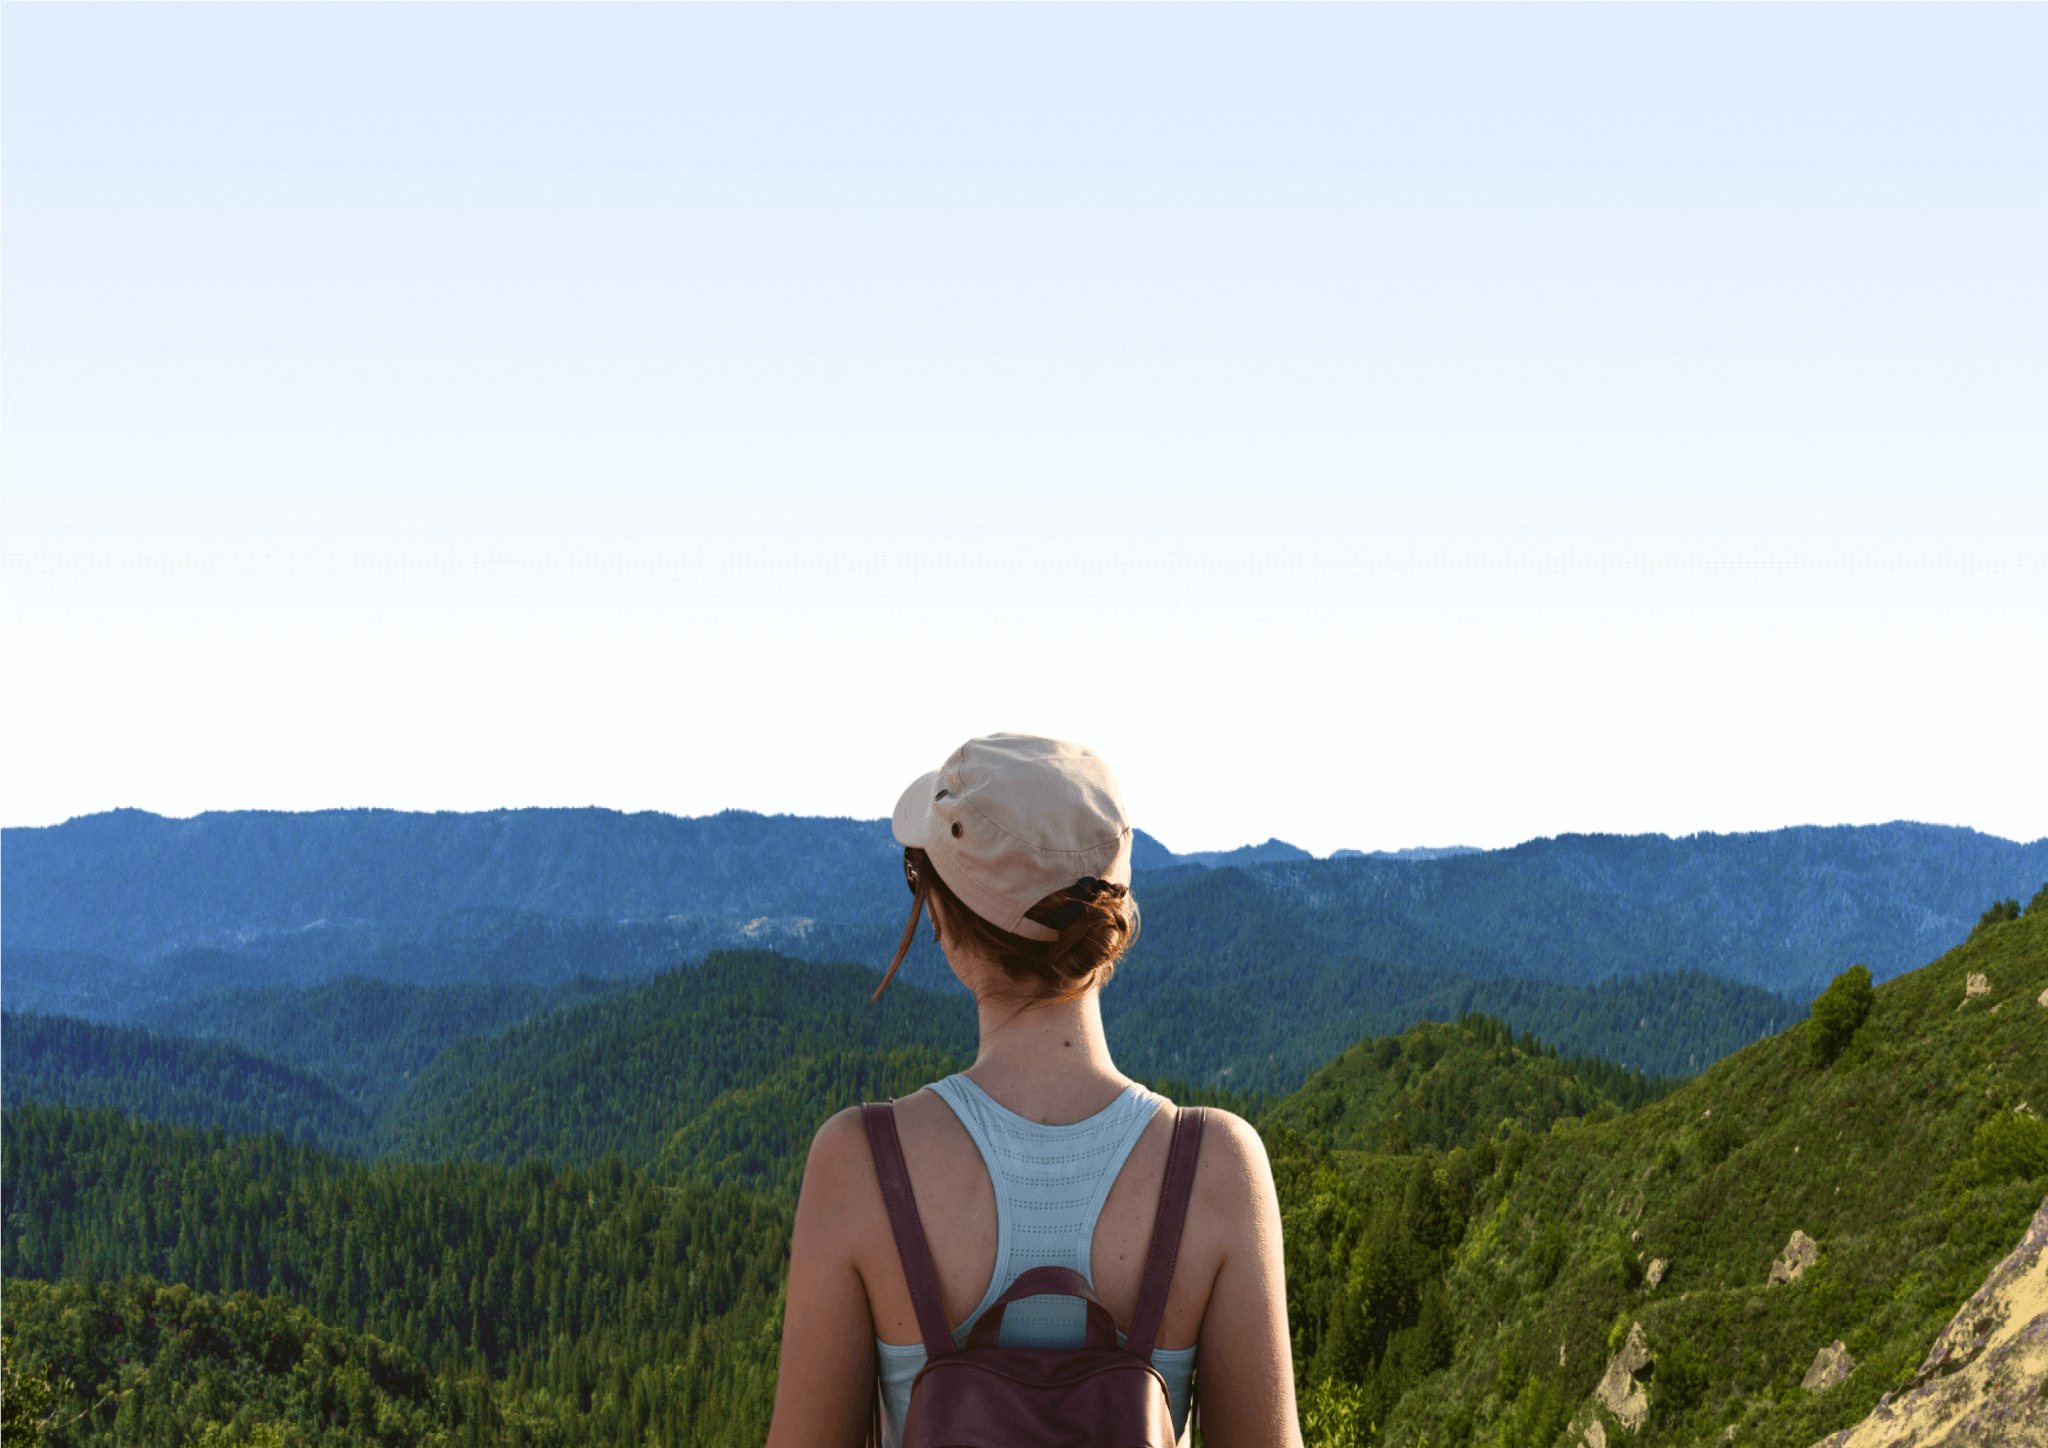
(985, 1395)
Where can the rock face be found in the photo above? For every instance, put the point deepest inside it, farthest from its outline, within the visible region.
(1830, 1365)
(1596, 1434)
(1655, 1273)
(1977, 985)
(1800, 1253)
(1982, 1385)
(1621, 1391)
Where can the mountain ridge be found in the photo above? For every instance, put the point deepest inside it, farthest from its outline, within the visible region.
(129, 885)
(1716, 939)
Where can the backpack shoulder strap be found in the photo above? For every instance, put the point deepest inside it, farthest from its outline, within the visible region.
(911, 1248)
(1166, 1231)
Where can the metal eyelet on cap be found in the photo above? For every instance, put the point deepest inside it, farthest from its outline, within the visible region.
(956, 829)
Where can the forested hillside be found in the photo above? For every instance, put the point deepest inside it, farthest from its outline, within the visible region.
(588, 1306)
(1267, 1031)
(1449, 1086)
(588, 1251)
(149, 1364)
(631, 1072)
(719, 1070)
(165, 1078)
(367, 1037)
(530, 955)
(1480, 1295)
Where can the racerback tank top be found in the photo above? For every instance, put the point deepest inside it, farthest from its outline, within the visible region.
(1050, 1184)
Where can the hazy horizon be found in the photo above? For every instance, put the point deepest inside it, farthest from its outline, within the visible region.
(1177, 849)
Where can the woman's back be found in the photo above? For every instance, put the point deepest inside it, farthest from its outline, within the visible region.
(1051, 1183)
(957, 1201)
(1032, 832)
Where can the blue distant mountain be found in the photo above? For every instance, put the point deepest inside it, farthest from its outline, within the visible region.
(1417, 852)
(1148, 854)
(1261, 960)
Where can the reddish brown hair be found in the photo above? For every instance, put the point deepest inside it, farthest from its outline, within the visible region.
(1081, 959)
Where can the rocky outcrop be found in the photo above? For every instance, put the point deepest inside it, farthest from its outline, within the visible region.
(1621, 1391)
(1978, 984)
(1830, 1365)
(1800, 1253)
(1982, 1384)
(1654, 1273)
(1596, 1434)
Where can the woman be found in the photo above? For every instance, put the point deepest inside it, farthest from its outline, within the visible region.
(1042, 1152)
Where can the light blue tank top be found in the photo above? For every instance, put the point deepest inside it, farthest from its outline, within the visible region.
(1050, 1182)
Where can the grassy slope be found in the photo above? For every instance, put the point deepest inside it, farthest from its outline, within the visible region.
(1869, 1156)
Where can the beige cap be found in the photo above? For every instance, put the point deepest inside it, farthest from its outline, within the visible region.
(1012, 818)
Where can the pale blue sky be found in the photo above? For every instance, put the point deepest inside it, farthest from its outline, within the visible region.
(1371, 426)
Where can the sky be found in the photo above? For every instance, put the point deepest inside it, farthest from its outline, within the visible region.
(1366, 426)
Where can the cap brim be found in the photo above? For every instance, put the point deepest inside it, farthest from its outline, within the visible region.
(912, 821)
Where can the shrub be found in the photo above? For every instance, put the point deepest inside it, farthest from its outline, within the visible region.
(1720, 1138)
(1837, 1013)
(1456, 1430)
(1681, 1378)
(1509, 1375)
(1539, 1414)
(1547, 1259)
(1426, 1209)
(27, 1398)
(1628, 1267)
(1333, 1415)
(2010, 1146)
(1435, 1338)
(1513, 1153)
(2040, 901)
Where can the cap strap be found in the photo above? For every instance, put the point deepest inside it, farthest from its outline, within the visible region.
(1078, 895)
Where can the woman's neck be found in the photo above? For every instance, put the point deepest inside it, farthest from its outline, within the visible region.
(1049, 1063)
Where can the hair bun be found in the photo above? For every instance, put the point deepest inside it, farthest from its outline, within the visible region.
(1096, 921)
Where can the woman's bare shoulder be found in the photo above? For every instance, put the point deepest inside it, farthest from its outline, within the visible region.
(840, 1157)
(839, 1151)
(839, 1194)
(1233, 1139)
(1234, 1176)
